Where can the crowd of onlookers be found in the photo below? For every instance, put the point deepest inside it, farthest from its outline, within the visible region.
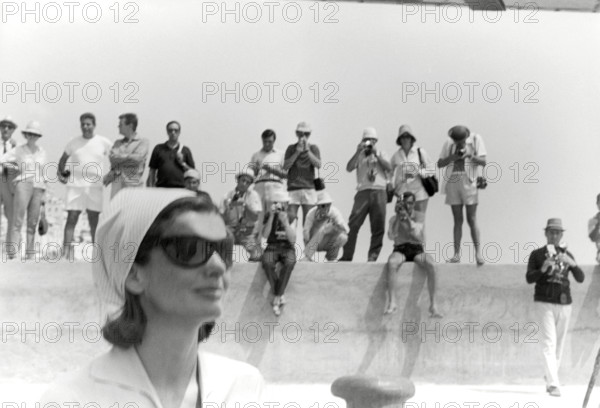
(263, 206)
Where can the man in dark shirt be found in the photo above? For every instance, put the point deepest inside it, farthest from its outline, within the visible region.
(549, 269)
(300, 161)
(170, 160)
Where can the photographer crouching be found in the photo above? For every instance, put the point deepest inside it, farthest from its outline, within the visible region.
(406, 230)
(281, 238)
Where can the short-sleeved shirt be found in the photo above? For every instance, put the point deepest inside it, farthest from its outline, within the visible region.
(407, 167)
(87, 160)
(235, 214)
(169, 172)
(475, 147)
(302, 173)
(368, 164)
(131, 169)
(274, 159)
(32, 165)
(311, 224)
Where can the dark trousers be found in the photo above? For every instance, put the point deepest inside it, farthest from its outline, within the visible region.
(273, 254)
(373, 203)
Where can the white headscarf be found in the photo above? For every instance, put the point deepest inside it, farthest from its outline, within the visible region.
(121, 229)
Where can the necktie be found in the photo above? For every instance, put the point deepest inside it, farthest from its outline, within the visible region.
(5, 146)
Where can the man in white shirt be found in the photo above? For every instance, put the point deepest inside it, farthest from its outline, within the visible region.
(86, 156)
(325, 229)
(7, 190)
(241, 209)
(268, 167)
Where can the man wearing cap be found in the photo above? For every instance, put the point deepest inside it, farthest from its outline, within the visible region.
(267, 164)
(325, 229)
(372, 166)
(549, 268)
(301, 160)
(281, 240)
(241, 208)
(191, 181)
(170, 160)
(127, 156)
(85, 155)
(7, 188)
(464, 157)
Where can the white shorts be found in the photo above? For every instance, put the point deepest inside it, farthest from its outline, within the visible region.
(304, 196)
(460, 190)
(84, 198)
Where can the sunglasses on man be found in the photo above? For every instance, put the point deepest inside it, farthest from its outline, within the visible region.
(305, 134)
(193, 251)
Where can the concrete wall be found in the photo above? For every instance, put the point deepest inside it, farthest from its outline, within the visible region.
(332, 325)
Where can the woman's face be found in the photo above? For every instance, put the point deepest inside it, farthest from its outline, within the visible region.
(192, 292)
(406, 141)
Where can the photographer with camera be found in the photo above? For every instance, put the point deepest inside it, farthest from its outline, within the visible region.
(464, 156)
(281, 238)
(406, 230)
(325, 229)
(241, 208)
(549, 268)
(372, 166)
(594, 229)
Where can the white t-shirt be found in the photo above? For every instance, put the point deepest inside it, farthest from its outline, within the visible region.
(88, 161)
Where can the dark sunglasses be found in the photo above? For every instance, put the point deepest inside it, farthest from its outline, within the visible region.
(8, 127)
(307, 134)
(172, 130)
(192, 252)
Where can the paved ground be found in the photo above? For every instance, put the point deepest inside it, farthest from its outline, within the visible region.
(427, 396)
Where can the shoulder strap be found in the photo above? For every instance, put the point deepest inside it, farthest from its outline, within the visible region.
(420, 158)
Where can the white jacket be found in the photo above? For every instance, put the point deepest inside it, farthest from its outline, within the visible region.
(118, 377)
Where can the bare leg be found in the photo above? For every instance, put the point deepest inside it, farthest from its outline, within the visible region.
(293, 212)
(93, 219)
(72, 218)
(392, 267)
(472, 221)
(458, 222)
(305, 209)
(425, 262)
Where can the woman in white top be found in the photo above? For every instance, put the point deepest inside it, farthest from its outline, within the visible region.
(162, 265)
(407, 166)
(28, 162)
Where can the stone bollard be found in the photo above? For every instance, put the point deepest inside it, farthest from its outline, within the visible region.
(361, 391)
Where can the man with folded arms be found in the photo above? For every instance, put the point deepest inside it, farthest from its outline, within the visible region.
(127, 156)
(549, 268)
(170, 160)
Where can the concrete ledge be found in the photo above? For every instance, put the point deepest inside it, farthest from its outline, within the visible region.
(332, 325)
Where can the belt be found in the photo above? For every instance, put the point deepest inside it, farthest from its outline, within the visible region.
(265, 181)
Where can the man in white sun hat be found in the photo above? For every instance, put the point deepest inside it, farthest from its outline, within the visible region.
(325, 229)
(241, 209)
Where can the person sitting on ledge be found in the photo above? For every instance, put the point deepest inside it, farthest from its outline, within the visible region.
(241, 209)
(406, 230)
(325, 229)
(281, 238)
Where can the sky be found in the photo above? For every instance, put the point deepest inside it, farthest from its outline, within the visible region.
(525, 80)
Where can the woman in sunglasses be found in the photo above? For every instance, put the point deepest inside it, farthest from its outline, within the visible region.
(162, 265)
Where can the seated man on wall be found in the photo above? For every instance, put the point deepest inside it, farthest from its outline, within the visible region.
(406, 230)
(324, 230)
(241, 209)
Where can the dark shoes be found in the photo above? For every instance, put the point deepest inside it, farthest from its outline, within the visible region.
(553, 391)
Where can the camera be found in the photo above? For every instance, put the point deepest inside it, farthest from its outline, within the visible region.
(461, 151)
(277, 207)
(368, 145)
